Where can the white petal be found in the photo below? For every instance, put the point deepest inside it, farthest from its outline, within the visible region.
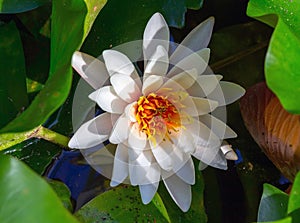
(203, 136)
(130, 111)
(183, 140)
(143, 170)
(120, 130)
(156, 33)
(162, 153)
(137, 139)
(121, 167)
(93, 132)
(158, 63)
(207, 154)
(117, 62)
(222, 130)
(92, 70)
(108, 100)
(100, 158)
(179, 190)
(196, 40)
(199, 106)
(125, 87)
(219, 161)
(187, 172)
(185, 79)
(231, 93)
(148, 191)
(204, 86)
(197, 60)
(152, 84)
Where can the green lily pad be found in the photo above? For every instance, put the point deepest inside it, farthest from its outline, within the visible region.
(123, 204)
(282, 66)
(27, 197)
(16, 6)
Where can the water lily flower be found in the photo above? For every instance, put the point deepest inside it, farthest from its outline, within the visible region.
(162, 118)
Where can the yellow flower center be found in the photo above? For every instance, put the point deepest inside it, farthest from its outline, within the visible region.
(155, 114)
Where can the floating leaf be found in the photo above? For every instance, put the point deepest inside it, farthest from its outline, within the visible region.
(282, 65)
(274, 129)
(26, 197)
(123, 204)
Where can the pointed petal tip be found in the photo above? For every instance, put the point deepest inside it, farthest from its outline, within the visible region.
(114, 183)
(231, 155)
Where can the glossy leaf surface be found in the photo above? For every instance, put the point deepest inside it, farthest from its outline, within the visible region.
(282, 60)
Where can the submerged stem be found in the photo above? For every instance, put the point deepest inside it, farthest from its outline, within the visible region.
(10, 139)
(51, 136)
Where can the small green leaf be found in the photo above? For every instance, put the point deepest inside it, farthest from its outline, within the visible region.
(294, 201)
(16, 6)
(123, 204)
(13, 94)
(282, 66)
(62, 192)
(273, 204)
(26, 197)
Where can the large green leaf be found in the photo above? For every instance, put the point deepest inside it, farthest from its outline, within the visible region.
(66, 37)
(282, 65)
(123, 21)
(15, 6)
(123, 204)
(25, 197)
(13, 93)
(273, 205)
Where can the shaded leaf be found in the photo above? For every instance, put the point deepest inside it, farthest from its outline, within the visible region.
(13, 94)
(282, 66)
(16, 6)
(123, 204)
(273, 204)
(66, 37)
(37, 154)
(27, 197)
(116, 24)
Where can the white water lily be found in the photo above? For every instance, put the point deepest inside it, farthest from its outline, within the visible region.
(162, 119)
